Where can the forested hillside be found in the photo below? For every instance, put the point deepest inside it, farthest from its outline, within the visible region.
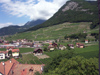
(73, 11)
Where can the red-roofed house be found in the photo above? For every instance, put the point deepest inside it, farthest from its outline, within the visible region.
(15, 52)
(61, 47)
(51, 47)
(5, 68)
(80, 45)
(10, 48)
(86, 41)
(71, 46)
(12, 67)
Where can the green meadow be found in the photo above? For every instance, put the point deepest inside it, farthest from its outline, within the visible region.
(87, 52)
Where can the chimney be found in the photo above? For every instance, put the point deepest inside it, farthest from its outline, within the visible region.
(3, 63)
(10, 61)
(42, 68)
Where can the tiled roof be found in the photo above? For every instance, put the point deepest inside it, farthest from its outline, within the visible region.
(19, 69)
(24, 69)
(7, 68)
(61, 46)
(3, 52)
(15, 50)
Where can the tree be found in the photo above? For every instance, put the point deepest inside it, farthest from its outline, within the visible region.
(45, 49)
(10, 53)
(57, 59)
(76, 66)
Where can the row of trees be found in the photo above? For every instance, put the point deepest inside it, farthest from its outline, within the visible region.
(81, 36)
(96, 35)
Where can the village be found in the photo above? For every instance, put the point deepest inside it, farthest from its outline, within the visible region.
(12, 49)
(12, 54)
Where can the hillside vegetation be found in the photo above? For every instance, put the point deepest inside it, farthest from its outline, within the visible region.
(73, 11)
(55, 32)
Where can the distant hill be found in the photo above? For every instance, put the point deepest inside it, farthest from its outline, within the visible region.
(12, 29)
(73, 11)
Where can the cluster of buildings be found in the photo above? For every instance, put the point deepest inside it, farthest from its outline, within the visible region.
(52, 46)
(9, 52)
(13, 67)
(23, 43)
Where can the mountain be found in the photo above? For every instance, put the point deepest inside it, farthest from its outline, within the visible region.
(73, 11)
(12, 29)
(34, 23)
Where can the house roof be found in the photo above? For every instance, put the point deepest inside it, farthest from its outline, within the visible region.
(61, 46)
(50, 43)
(26, 69)
(15, 50)
(12, 47)
(19, 69)
(3, 52)
(7, 68)
(70, 45)
(50, 46)
(86, 40)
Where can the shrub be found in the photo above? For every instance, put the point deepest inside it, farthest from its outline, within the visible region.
(77, 66)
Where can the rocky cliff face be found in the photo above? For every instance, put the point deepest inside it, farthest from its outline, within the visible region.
(70, 6)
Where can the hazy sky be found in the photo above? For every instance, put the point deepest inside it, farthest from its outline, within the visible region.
(20, 11)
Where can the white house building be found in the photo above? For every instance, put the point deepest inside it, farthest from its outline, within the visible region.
(2, 54)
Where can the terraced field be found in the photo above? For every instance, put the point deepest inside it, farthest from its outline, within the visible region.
(55, 32)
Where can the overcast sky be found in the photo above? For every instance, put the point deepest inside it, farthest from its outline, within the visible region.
(20, 11)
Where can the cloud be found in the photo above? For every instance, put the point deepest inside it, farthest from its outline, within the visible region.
(7, 24)
(35, 9)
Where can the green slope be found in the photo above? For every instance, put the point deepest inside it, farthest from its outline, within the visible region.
(55, 32)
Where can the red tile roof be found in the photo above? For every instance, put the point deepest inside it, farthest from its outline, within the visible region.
(15, 50)
(24, 72)
(3, 52)
(24, 69)
(20, 69)
(7, 68)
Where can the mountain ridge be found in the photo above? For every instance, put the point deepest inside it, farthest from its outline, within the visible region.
(13, 29)
(79, 11)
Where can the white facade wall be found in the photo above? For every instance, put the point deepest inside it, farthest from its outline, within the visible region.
(2, 56)
(15, 54)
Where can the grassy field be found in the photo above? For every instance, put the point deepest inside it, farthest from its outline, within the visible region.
(55, 32)
(87, 52)
(2, 49)
(25, 50)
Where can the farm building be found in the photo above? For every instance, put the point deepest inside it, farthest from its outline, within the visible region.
(80, 45)
(71, 46)
(38, 51)
(61, 47)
